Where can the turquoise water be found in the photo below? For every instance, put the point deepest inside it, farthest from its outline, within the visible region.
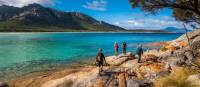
(29, 52)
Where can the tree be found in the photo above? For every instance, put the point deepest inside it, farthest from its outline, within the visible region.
(183, 10)
(186, 34)
(187, 11)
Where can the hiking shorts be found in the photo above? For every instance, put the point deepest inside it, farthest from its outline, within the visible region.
(100, 63)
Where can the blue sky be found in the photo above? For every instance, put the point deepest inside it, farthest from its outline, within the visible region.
(117, 12)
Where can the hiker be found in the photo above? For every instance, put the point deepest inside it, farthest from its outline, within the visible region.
(139, 52)
(116, 47)
(100, 59)
(124, 47)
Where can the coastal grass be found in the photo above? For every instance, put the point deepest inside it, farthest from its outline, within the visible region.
(178, 78)
(197, 62)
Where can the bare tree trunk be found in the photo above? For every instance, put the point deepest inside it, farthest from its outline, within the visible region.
(189, 42)
(186, 33)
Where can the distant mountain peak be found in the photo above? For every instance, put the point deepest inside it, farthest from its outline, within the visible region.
(34, 5)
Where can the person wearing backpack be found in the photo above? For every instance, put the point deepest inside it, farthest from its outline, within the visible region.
(139, 52)
(100, 59)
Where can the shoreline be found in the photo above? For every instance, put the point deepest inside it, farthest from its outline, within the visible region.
(45, 76)
(7, 75)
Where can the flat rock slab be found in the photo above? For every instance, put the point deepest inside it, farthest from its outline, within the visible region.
(118, 60)
(80, 79)
(133, 64)
(194, 78)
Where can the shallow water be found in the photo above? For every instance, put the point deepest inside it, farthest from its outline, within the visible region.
(29, 52)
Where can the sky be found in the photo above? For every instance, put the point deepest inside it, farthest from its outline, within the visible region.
(116, 12)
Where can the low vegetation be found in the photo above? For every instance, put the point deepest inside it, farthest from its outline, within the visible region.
(178, 78)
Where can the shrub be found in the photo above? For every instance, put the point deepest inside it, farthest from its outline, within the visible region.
(163, 49)
(177, 47)
(178, 78)
(197, 62)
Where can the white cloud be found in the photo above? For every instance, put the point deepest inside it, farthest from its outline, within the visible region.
(98, 5)
(167, 18)
(21, 3)
(1, 2)
(149, 23)
(135, 23)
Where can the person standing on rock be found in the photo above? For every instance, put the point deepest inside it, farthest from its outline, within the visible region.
(100, 59)
(116, 47)
(139, 52)
(124, 47)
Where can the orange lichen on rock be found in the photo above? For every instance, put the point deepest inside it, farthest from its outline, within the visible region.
(171, 47)
(149, 68)
(152, 52)
(150, 57)
(153, 67)
(175, 45)
(182, 43)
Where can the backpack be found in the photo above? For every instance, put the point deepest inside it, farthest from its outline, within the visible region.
(99, 57)
(124, 45)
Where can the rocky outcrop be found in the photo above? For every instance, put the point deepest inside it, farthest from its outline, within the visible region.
(79, 79)
(150, 58)
(191, 35)
(154, 45)
(194, 78)
(179, 58)
(3, 84)
(118, 60)
(195, 43)
(137, 83)
(194, 38)
(180, 52)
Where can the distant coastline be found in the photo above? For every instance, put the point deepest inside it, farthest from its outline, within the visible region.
(88, 32)
(68, 31)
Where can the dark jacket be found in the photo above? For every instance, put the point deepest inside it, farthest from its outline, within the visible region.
(124, 46)
(100, 57)
(139, 51)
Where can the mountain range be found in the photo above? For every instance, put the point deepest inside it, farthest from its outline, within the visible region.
(175, 30)
(36, 18)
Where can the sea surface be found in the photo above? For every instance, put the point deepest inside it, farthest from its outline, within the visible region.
(22, 53)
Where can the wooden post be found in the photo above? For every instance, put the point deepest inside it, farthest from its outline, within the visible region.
(122, 80)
